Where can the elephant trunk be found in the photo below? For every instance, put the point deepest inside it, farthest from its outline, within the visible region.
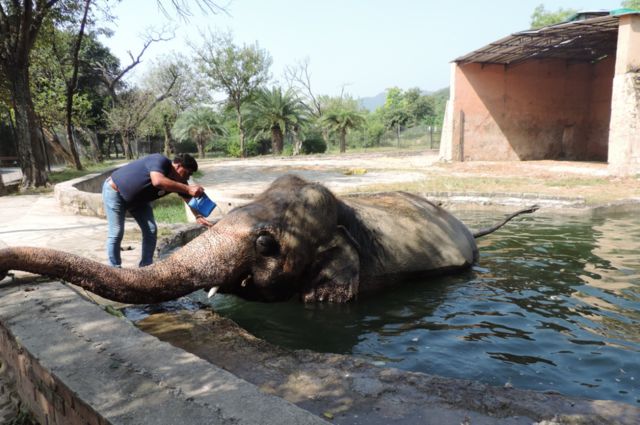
(191, 268)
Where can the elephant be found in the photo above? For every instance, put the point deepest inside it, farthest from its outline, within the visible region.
(296, 239)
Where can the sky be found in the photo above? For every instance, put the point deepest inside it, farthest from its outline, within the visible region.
(361, 47)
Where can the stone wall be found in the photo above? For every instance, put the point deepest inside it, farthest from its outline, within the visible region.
(83, 195)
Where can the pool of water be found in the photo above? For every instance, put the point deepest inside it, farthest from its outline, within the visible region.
(553, 305)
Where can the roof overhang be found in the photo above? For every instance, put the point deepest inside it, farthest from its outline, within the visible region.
(589, 40)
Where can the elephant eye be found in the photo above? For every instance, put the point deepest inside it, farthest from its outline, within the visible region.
(267, 245)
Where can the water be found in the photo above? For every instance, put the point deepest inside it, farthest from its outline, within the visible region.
(554, 305)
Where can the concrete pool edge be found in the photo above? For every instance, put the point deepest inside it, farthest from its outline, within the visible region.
(73, 363)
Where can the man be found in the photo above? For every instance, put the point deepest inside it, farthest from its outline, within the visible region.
(131, 189)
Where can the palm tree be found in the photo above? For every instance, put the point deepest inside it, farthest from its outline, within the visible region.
(200, 125)
(341, 120)
(277, 112)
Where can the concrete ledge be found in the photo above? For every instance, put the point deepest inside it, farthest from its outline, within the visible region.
(75, 364)
(82, 195)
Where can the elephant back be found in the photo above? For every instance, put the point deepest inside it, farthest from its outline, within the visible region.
(411, 234)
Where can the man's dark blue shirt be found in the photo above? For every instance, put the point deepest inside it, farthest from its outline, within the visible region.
(134, 182)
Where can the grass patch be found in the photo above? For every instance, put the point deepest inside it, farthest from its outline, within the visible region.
(576, 182)
(170, 209)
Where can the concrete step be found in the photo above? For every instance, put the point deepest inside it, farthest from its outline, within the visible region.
(76, 364)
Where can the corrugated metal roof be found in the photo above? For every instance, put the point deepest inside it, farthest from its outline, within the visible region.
(588, 40)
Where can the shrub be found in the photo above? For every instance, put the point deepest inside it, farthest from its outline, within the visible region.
(314, 143)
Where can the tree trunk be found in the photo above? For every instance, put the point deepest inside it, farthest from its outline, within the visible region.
(276, 140)
(52, 140)
(325, 135)
(343, 141)
(92, 137)
(168, 141)
(297, 142)
(71, 89)
(200, 144)
(29, 137)
(72, 145)
(126, 145)
(243, 149)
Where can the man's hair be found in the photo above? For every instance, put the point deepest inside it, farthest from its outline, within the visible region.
(187, 161)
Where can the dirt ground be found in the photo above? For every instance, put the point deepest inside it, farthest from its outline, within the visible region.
(422, 172)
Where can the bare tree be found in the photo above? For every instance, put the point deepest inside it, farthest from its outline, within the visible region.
(186, 92)
(134, 106)
(299, 77)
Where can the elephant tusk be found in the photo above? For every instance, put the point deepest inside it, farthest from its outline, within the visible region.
(212, 291)
(244, 282)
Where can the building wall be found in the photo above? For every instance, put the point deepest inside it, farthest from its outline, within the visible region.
(547, 109)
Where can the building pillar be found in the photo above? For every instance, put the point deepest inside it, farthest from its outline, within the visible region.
(446, 138)
(624, 126)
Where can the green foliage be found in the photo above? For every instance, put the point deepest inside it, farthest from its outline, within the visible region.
(252, 147)
(275, 113)
(407, 108)
(374, 130)
(341, 121)
(234, 70)
(199, 125)
(186, 146)
(313, 143)
(439, 101)
(185, 93)
(631, 4)
(542, 18)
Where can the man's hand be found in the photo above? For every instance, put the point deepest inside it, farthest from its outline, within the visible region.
(203, 221)
(195, 190)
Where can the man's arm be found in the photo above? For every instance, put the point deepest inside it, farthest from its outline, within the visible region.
(160, 181)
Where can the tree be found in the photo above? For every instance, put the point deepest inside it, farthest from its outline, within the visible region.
(72, 83)
(419, 107)
(299, 77)
(58, 66)
(199, 125)
(185, 93)
(237, 71)
(277, 112)
(543, 18)
(341, 121)
(133, 107)
(20, 23)
(395, 111)
(631, 4)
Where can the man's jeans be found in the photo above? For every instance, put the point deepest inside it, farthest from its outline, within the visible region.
(115, 207)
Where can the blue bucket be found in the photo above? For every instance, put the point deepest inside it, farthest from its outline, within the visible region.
(202, 204)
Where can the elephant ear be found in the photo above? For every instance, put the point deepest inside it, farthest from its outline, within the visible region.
(335, 272)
